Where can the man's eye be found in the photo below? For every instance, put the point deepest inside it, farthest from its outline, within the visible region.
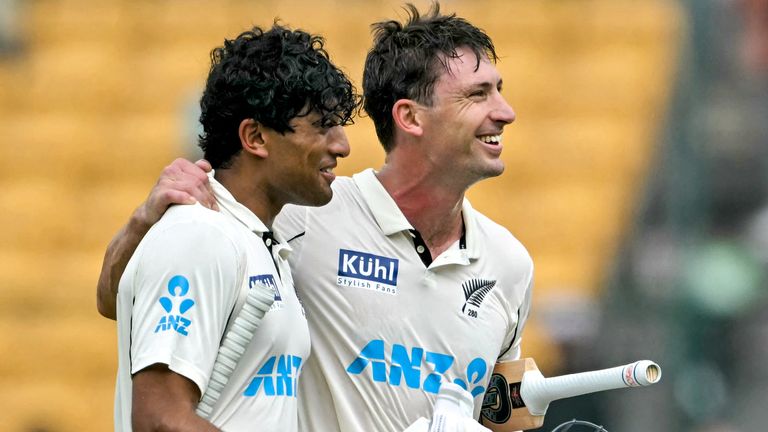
(333, 121)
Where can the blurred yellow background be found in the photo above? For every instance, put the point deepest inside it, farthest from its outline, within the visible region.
(103, 94)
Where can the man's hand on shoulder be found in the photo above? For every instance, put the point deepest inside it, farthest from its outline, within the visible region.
(181, 182)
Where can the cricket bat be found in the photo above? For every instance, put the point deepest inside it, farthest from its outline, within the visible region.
(518, 394)
(257, 303)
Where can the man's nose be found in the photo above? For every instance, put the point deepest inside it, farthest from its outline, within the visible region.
(503, 112)
(339, 143)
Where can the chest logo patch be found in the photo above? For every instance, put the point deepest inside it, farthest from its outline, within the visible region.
(475, 291)
(367, 271)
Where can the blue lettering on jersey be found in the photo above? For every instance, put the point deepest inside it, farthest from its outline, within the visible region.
(364, 270)
(178, 287)
(268, 280)
(278, 376)
(406, 366)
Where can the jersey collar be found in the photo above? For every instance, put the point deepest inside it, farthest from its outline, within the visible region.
(391, 219)
(229, 205)
(386, 212)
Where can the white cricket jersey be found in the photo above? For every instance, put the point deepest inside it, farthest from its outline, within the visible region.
(387, 326)
(180, 291)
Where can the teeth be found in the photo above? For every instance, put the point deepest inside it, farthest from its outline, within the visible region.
(491, 139)
(327, 170)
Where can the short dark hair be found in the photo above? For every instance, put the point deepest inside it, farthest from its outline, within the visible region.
(406, 61)
(272, 77)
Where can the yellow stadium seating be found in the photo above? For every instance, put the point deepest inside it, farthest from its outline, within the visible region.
(100, 102)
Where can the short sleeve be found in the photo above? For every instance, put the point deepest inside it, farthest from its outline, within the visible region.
(186, 283)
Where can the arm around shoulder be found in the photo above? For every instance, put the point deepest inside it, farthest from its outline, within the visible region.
(116, 258)
(181, 182)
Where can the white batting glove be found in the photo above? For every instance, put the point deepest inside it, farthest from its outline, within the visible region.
(453, 411)
(463, 425)
(442, 422)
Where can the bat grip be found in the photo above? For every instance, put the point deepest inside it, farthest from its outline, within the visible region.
(257, 303)
(538, 392)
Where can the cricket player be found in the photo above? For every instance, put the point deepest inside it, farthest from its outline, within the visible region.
(272, 112)
(406, 286)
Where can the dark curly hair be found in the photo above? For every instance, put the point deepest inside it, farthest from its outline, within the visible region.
(272, 77)
(406, 61)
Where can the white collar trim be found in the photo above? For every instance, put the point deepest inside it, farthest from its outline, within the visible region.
(391, 219)
(229, 205)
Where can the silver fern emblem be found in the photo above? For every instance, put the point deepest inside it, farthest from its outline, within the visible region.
(475, 291)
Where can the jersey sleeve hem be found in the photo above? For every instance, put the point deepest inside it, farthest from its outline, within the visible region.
(176, 365)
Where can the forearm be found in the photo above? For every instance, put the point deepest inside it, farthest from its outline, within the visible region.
(173, 422)
(164, 401)
(116, 258)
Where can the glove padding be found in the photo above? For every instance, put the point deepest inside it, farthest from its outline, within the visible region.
(455, 423)
(453, 413)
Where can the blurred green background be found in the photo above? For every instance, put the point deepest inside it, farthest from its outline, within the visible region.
(635, 176)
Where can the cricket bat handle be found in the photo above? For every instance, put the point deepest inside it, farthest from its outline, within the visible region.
(518, 395)
(236, 341)
(538, 392)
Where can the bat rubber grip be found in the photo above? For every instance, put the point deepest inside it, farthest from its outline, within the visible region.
(257, 304)
(538, 392)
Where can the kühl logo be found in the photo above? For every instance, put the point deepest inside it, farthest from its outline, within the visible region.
(279, 376)
(364, 270)
(268, 280)
(178, 286)
(408, 366)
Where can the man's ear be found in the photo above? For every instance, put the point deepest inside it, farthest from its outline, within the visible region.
(253, 138)
(407, 116)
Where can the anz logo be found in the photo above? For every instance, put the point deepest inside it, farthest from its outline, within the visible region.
(416, 368)
(279, 376)
(367, 271)
(175, 307)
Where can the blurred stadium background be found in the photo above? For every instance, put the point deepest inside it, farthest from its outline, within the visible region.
(636, 176)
